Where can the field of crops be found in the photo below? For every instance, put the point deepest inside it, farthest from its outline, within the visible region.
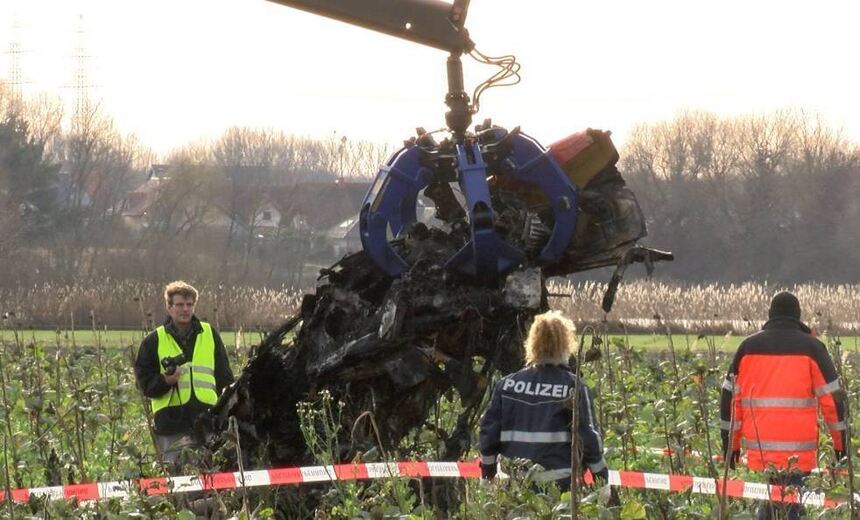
(71, 413)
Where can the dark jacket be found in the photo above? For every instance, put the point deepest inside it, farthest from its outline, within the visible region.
(177, 419)
(529, 416)
(778, 379)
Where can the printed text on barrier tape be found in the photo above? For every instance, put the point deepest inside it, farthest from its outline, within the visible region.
(710, 486)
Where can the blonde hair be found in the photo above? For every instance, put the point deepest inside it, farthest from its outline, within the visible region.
(181, 288)
(551, 339)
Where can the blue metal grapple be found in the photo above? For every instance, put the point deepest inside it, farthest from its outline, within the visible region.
(389, 209)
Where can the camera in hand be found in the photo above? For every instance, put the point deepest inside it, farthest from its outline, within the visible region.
(170, 363)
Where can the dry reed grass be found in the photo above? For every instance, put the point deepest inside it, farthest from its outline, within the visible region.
(129, 305)
(640, 305)
(653, 304)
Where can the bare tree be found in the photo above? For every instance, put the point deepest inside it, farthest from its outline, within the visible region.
(98, 164)
(175, 237)
(762, 196)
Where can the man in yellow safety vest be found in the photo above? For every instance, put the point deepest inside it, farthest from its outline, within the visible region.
(182, 367)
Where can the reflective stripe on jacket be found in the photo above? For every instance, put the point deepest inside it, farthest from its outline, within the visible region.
(529, 416)
(779, 378)
(198, 375)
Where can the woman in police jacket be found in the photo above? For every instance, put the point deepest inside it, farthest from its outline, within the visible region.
(529, 415)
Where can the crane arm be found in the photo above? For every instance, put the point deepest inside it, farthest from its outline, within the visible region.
(429, 22)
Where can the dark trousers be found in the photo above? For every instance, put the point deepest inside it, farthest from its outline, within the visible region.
(770, 510)
(177, 450)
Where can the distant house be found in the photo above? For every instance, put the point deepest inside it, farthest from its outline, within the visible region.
(141, 203)
(267, 215)
(345, 238)
(158, 171)
(321, 205)
(95, 189)
(254, 205)
(139, 200)
(311, 206)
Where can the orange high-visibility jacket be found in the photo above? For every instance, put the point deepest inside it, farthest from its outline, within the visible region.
(778, 379)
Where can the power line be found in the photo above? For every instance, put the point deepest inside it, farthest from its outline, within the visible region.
(14, 72)
(81, 81)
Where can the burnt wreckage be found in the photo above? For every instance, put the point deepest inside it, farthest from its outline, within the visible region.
(393, 345)
(434, 304)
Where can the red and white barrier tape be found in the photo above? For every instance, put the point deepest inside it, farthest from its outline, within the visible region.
(255, 478)
(362, 471)
(710, 486)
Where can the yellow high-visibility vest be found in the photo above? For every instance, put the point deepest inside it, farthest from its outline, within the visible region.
(198, 376)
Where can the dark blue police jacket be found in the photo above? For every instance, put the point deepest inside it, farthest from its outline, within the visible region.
(529, 417)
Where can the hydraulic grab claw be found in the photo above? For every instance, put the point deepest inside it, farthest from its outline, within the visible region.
(390, 205)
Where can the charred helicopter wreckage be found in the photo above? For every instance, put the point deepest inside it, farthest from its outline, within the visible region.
(432, 306)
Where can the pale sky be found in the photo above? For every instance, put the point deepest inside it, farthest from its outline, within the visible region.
(175, 71)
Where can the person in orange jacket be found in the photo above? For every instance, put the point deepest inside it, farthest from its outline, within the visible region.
(779, 378)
